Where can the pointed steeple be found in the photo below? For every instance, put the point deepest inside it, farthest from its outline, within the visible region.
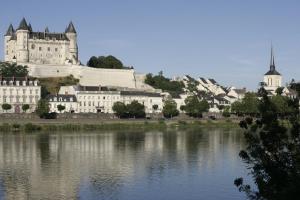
(272, 70)
(71, 28)
(23, 25)
(10, 31)
(47, 30)
(30, 27)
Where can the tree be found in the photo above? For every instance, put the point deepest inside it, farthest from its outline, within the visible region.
(279, 91)
(60, 108)
(25, 107)
(165, 84)
(12, 70)
(226, 111)
(109, 62)
(272, 154)
(194, 107)
(42, 108)
(281, 104)
(170, 109)
(248, 105)
(136, 110)
(120, 109)
(155, 107)
(6, 106)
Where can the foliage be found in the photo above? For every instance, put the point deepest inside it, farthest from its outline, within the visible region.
(42, 108)
(109, 62)
(279, 91)
(133, 110)
(155, 107)
(52, 85)
(165, 84)
(61, 108)
(170, 109)
(12, 70)
(272, 153)
(25, 107)
(136, 110)
(226, 111)
(248, 105)
(194, 107)
(6, 106)
(282, 105)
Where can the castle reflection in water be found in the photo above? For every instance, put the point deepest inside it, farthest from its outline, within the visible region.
(73, 165)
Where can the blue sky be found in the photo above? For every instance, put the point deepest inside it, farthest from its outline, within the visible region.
(228, 40)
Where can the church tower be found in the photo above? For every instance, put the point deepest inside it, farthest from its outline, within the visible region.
(272, 78)
(22, 42)
(73, 48)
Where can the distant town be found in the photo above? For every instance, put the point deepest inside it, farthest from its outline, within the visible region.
(42, 73)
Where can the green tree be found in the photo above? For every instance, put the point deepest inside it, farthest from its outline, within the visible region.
(6, 106)
(109, 62)
(226, 111)
(279, 91)
(136, 110)
(170, 109)
(165, 84)
(272, 154)
(12, 70)
(155, 107)
(194, 107)
(60, 108)
(25, 107)
(282, 105)
(42, 108)
(120, 109)
(248, 105)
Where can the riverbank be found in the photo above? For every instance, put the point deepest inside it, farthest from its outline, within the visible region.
(29, 125)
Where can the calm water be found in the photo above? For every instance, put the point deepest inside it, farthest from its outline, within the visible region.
(121, 165)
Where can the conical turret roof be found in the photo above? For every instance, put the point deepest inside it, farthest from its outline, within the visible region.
(23, 25)
(71, 28)
(10, 31)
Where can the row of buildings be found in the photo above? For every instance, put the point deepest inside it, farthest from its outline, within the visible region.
(56, 55)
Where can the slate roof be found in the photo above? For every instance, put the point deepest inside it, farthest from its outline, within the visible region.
(71, 28)
(203, 80)
(139, 93)
(44, 35)
(63, 97)
(10, 31)
(212, 81)
(23, 25)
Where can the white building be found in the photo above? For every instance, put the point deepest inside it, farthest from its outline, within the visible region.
(68, 101)
(27, 46)
(17, 92)
(96, 99)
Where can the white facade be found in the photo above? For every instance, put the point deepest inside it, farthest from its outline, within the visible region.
(68, 101)
(93, 99)
(17, 93)
(26, 46)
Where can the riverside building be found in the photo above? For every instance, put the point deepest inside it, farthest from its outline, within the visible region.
(18, 92)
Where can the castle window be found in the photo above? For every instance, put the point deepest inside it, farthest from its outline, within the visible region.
(48, 48)
(32, 46)
(55, 49)
(6, 52)
(40, 48)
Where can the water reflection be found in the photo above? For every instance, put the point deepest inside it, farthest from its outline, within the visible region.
(121, 165)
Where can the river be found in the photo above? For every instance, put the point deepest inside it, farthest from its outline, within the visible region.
(175, 165)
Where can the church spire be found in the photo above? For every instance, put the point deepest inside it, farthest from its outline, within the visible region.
(272, 60)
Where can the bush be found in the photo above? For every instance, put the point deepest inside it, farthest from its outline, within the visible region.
(32, 127)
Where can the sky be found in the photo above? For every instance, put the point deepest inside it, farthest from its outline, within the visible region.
(228, 40)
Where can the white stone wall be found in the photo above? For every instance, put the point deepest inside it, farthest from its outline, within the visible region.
(18, 95)
(69, 106)
(273, 82)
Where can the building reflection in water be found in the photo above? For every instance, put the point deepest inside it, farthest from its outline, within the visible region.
(89, 165)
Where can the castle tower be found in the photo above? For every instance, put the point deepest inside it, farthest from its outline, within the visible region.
(73, 48)
(272, 78)
(22, 42)
(9, 34)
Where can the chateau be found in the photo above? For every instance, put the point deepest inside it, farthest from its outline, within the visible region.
(24, 45)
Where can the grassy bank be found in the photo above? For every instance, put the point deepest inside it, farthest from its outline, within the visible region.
(122, 125)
